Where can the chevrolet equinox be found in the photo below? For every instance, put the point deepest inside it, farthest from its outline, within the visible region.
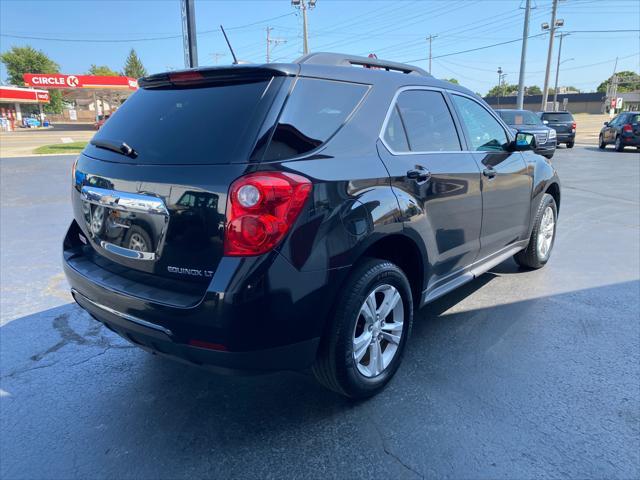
(294, 216)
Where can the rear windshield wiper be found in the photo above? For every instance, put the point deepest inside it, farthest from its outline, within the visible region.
(114, 146)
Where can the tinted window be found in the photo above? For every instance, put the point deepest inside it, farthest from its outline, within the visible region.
(427, 121)
(315, 110)
(557, 117)
(519, 117)
(394, 134)
(205, 124)
(485, 132)
(634, 118)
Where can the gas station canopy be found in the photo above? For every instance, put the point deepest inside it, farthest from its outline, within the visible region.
(82, 86)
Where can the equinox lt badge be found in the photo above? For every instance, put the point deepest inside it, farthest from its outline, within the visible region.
(194, 272)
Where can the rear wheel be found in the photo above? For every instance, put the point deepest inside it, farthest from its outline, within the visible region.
(549, 155)
(365, 340)
(619, 146)
(601, 143)
(537, 253)
(569, 144)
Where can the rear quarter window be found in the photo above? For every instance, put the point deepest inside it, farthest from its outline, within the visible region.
(314, 112)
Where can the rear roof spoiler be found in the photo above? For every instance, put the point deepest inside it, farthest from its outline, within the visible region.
(340, 59)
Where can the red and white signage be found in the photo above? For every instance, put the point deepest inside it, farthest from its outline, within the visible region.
(23, 95)
(59, 80)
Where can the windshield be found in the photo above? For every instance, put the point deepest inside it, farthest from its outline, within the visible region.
(519, 117)
(189, 125)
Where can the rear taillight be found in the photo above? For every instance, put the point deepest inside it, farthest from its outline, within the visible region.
(627, 128)
(260, 210)
(573, 126)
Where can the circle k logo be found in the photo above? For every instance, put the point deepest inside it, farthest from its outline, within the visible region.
(72, 81)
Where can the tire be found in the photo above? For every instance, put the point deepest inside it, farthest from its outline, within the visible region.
(138, 239)
(535, 256)
(619, 146)
(336, 366)
(569, 144)
(550, 156)
(601, 143)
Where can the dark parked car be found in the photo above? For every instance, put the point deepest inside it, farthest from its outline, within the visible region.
(622, 131)
(302, 224)
(525, 121)
(564, 125)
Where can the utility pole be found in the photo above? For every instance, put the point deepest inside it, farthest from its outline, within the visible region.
(545, 90)
(188, 13)
(216, 56)
(523, 55)
(270, 41)
(304, 5)
(430, 38)
(555, 90)
(613, 87)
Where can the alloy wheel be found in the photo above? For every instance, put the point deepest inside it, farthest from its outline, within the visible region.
(378, 330)
(546, 232)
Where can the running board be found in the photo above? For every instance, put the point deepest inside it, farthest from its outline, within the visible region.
(474, 271)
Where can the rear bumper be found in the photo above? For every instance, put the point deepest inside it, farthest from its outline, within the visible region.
(160, 341)
(258, 314)
(565, 137)
(630, 140)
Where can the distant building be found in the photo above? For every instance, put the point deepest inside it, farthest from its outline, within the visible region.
(575, 102)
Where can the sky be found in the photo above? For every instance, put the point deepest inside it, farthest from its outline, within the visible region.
(76, 34)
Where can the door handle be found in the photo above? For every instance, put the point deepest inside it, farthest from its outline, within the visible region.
(419, 174)
(489, 172)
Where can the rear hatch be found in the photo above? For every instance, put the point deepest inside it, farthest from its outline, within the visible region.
(150, 190)
(561, 122)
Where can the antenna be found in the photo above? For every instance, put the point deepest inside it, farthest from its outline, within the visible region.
(235, 60)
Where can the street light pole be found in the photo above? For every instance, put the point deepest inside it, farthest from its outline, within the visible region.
(304, 5)
(545, 90)
(523, 55)
(188, 13)
(499, 80)
(555, 90)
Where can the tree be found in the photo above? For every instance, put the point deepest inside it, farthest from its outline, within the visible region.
(533, 90)
(503, 90)
(21, 60)
(452, 80)
(133, 66)
(628, 81)
(102, 70)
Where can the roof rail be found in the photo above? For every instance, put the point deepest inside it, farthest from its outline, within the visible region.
(341, 59)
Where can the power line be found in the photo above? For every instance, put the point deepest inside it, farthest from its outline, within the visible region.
(129, 40)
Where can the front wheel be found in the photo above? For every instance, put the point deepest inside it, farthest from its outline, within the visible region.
(601, 143)
(365, 340)
(543, 236)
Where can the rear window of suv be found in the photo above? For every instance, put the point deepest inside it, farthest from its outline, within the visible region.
(210, 124)
(558, 117)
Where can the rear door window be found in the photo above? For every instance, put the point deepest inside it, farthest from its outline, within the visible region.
(427, 121)
(314, 112)
(188, 125)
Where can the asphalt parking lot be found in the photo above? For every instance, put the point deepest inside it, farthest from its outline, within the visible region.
(518, 375)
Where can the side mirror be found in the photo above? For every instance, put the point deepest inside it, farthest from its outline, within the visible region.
(524, 141)
(606, 124)
(546, 122)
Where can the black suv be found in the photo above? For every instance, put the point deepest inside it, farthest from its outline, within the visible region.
(564, 125)
(287, 216)
(622, 131)
(525, 121)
